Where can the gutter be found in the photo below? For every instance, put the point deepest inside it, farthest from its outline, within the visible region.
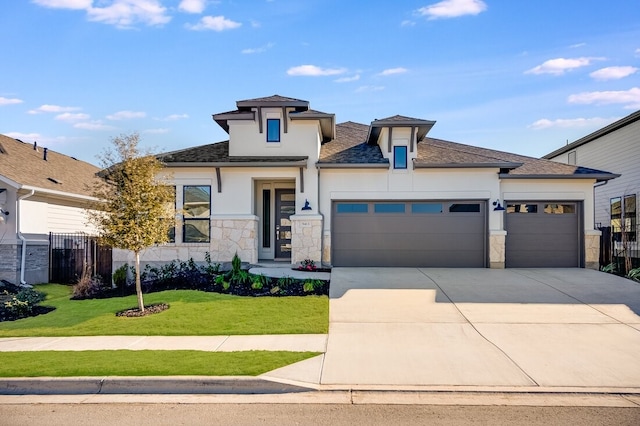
(23, 259)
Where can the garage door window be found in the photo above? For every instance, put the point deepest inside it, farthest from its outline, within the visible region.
(426, 208)
(560, 208)
(389, 208)
(464, 208)
(352, 208)
(522, 208)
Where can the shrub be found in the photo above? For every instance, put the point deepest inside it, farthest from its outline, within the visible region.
(23, 303)
(285, 282)
(634, 274)
(312, 286)
(121, 275)
(259, 282)
(88, 287)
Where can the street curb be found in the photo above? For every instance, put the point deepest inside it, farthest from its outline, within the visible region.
(241, 385)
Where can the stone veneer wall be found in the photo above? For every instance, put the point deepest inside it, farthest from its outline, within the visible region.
(326, 248)
(496, 249)
(592, 250)
(36, 264)
(306, 238)
(9, 263)
(232, 235)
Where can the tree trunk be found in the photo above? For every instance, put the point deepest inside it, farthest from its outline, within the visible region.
(139, 284)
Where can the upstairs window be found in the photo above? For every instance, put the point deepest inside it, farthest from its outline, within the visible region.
(624, 218)
(399, 157)
(273, 130)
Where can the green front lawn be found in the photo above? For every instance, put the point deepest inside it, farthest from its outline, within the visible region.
(144, 363)
(191, 313)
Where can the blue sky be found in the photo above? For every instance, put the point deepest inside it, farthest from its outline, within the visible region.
(522, 76)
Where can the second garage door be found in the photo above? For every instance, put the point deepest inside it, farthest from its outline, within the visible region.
(409, 233)
(543, 234)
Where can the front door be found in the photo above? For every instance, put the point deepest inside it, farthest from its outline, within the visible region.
(285, 207)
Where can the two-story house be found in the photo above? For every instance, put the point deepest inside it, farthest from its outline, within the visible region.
(290, 184)
(615, 147)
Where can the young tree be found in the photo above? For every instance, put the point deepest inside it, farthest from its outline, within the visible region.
(133, 211)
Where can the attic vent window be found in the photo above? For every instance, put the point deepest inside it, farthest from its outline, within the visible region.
(54, 181)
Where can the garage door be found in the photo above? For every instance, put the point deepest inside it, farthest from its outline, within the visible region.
(543, 235)
(409, 233)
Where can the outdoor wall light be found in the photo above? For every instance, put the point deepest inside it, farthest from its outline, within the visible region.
(4, 212)
(306, 205)
(498, 207)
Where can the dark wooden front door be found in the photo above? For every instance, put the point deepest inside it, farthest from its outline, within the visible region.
(285, 207)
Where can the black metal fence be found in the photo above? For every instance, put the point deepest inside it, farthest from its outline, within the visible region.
(69, 254)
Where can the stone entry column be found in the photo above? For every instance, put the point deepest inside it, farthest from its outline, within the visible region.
(306, 238)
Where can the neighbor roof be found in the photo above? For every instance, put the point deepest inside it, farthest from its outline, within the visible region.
(629, 119)
(22, 166)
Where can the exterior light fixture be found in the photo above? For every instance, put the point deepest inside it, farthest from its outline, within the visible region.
(498, 207)
(306, 205)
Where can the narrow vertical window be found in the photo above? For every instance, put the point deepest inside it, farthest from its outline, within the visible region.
(171, 212)
(399, 157)
(273, 130)
(266, 218)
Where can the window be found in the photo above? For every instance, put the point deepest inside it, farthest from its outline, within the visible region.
(624, 218)
(352, 208)
(426, 208)
(266, 218)
(399, 157)
(171, 212)
(560, 208)
(196, 207)
(388, 208)
(522, 208)
(273, 130)
(464, 208)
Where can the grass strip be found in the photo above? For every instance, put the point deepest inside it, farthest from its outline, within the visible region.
(144, 363)
(191, 313)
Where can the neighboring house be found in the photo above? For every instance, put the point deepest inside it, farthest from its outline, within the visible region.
(41, 191)
(290, 184)
(615, 147)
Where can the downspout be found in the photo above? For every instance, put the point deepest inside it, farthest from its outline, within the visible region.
(23, 259)
(597, 185)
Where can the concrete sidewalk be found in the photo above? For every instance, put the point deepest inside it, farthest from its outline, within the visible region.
(277, 342)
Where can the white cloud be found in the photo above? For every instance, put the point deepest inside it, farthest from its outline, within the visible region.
(192, 6)
(369, 89)
(392, 71)
(65, 4)
(407, 23)
(24, 136)
(559, 66)
(571, 123)
(10, 101)
(52, 108)
(173, 117)
(214, 23)
(93, 125)
(613, 73)
(453, 9)
(126, 115)
(69, 116)
(637, 52)
(258, 49)
(314, 71)
(348, 79)
(126, 13)
(159, 131)
(630, 98)
(575, 46)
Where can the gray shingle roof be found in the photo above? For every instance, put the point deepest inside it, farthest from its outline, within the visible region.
(350, 147)
(20, 163)
(218, 153)
(272, 98)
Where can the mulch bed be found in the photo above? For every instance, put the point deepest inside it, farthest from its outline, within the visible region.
(148, 310)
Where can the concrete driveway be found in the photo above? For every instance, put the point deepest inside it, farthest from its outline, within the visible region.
(570, 329)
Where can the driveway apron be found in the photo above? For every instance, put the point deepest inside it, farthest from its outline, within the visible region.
(482, 327)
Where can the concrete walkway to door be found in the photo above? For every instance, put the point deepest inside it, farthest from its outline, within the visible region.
(530, 329)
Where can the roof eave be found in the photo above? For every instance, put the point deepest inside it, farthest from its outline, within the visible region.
(297, 163)
(600, 177)
(327, 123)
(353, 165)
(223, 118)
(418, 165)
(424, 126)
